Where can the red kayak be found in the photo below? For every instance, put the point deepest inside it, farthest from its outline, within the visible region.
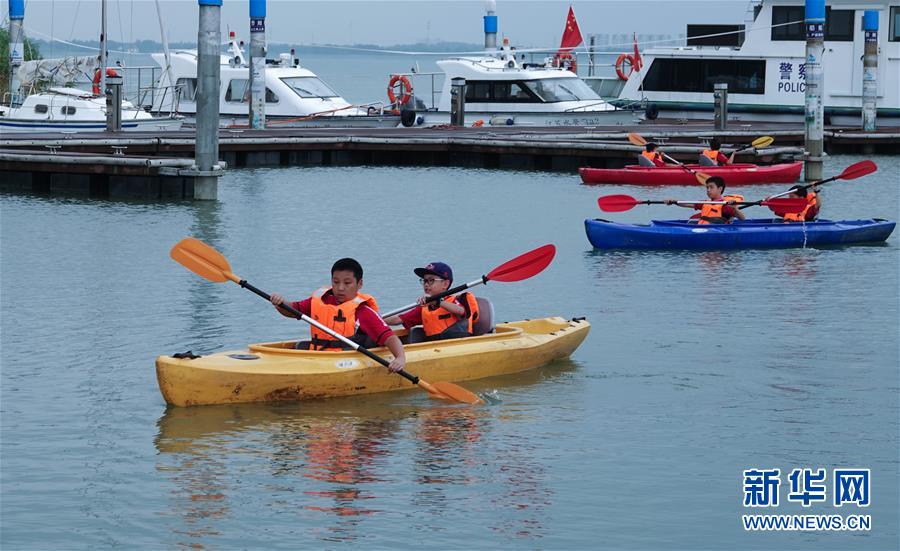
(734, 175)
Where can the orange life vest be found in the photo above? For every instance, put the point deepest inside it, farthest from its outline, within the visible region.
(651, 156)
(712, 214)
(436, 321)
(340, 318)
(811, 201)
(712, 154)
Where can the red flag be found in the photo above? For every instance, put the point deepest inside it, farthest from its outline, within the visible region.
(571, 34)
(638, 62)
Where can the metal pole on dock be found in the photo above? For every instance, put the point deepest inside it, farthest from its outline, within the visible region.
(720, 105)
(815, 89)
(114, 104)
(458, 101)
(870, 71)
(206, 152)
(16, 48)
(490, 27)
(258, 63)
(591, 55)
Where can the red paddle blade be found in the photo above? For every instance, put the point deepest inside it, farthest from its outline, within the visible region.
(617, 203)
(784, 205)
(524, 266)
(858, 169)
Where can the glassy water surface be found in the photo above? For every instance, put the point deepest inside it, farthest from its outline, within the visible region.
(698, 366)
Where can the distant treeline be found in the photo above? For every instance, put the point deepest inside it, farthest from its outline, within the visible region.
(151, 46)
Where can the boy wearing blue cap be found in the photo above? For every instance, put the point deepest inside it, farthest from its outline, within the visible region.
(451, 317)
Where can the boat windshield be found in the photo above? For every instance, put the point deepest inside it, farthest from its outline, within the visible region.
(309, 87)
(562, 89)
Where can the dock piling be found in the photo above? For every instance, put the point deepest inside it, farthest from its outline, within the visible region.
(870, 71)
(16, 49)
(206, 155)
(815, 89)
(258, 51)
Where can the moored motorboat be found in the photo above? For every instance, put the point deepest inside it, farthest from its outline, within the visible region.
(275, 371)
(759, 233)
(734, 175)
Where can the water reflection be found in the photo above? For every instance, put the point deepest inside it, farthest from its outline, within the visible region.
(798, 263)
(203, 308)
(337, 463)
(330, 456)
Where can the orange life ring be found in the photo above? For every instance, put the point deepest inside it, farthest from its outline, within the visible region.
(620, 63)
(406, 89)
(567, 61)
(110, 72)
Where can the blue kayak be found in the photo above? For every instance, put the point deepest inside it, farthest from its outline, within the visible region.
(746, 234)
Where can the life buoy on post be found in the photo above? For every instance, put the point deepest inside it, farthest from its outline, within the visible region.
(406, 90)
(110, 72)
(620, 66)
(566, 61)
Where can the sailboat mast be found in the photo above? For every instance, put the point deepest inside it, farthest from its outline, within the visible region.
(170, 76)
(103, 47)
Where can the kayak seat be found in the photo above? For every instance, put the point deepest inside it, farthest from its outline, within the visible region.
(644, 161)
(706, 161)
(485, 322)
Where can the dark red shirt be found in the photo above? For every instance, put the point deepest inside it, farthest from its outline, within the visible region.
(370, 322)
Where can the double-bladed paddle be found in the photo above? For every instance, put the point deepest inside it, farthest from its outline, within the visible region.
(852, 172)
(621, 203)
(521, 267)
(209, 263)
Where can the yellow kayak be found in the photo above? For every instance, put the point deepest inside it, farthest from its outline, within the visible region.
(274, 371)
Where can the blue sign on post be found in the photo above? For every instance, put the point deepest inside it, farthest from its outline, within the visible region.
(815, 19)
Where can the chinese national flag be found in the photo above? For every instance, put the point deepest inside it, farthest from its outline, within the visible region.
(571, 35)
(638, 62)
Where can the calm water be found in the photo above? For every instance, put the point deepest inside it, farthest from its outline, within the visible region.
(699, 365)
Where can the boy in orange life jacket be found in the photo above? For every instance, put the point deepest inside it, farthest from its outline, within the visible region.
(451, 318)
(713, 157)
(715, 214)
(650, 157)
(342, 308)
(809, 213)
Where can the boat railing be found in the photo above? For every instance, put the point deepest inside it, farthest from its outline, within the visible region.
(414, 77)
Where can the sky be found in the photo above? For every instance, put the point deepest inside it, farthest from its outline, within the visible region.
(528, 23)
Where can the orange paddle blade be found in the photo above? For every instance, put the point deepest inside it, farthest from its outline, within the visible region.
(203, 260)
(636, 139)
(702, 177)
(524, 265)
(450, 391)
(617, 203)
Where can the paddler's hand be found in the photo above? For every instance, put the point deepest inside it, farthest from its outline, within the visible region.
(396, 365)
(276, 299)
(422, 300)
(670, 201)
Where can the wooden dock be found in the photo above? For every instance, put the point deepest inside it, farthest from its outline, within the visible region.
(139, 164)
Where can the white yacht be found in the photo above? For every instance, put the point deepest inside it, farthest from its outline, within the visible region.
(503, 90)
(70, 109)
(294, 95)
(762, 61)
